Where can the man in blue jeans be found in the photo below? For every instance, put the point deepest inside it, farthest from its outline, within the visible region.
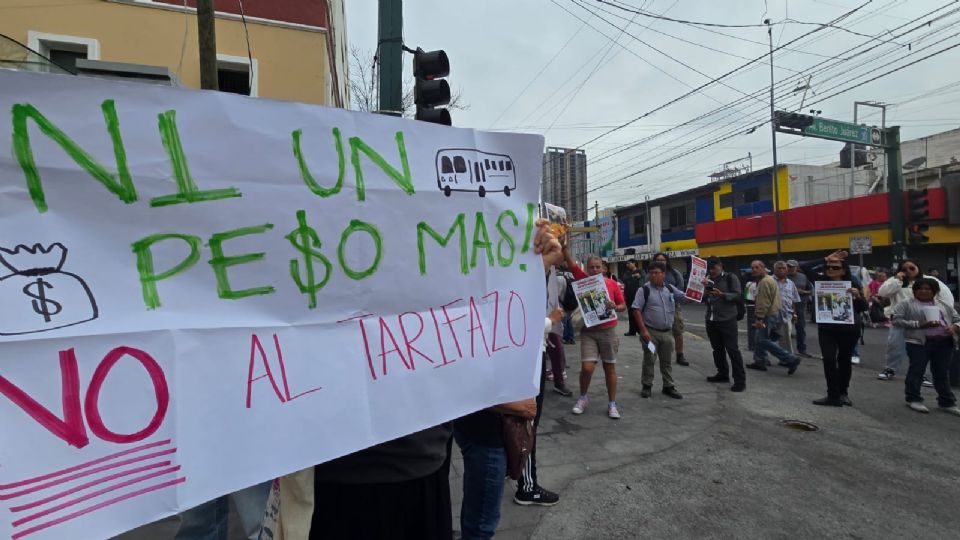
(208, 521)
(767, 317)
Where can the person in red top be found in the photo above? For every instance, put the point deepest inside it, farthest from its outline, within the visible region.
(600, 342)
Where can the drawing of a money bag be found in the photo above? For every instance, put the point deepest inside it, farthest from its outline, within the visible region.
(38, 296)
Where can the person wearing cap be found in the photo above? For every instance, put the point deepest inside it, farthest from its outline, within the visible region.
(803, 286)
(722, 294)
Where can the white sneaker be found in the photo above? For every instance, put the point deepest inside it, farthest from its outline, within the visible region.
(854, 360)
(612, 411)
(926, 382)
(918, 406)
(581, 405)
(950, 410)
(886, 375)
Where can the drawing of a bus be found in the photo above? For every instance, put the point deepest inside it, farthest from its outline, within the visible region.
(468, 169)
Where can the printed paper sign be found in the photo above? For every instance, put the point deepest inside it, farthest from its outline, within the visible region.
(592, 296)
(698, 275)
(834, 303)
(201, 291)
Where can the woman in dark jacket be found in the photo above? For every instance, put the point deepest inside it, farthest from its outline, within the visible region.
(837, 340)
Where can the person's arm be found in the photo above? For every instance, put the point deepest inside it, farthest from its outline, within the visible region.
(637, 312)
(898, 316)
(890, 288)
(678, 295)
(526, 408)
(764, 299)
(945, 295)
(620, 303)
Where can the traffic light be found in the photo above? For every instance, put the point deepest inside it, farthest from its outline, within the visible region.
(430, 89)
(793, 120)
(918, 210)
(859, 157)
(916, 234)
(918, 205)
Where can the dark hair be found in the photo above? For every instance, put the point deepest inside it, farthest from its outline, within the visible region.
(847, 274)
(713, 261)
(906, 280)
(657, 266)
(929, 282)
(659, 253)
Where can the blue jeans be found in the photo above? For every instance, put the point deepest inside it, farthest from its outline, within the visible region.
(765, 344)
(484, 473)
(939, 354)
(800, 327)
(208, 521)
(568, 328)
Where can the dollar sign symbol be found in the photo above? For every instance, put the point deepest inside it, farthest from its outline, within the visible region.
(41, 304)
(306, 240)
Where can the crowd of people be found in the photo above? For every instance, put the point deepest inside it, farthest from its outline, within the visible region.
(400, 489)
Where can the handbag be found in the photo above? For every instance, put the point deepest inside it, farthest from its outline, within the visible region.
(517, 443)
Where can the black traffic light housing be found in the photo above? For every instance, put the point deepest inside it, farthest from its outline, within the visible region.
(859, 156)
(430, 90)
(918, 211)
(790, 120)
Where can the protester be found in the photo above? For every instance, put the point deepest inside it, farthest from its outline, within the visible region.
(789, 298)
(898, 289)
(480, 438)
(836, 340)
(800, 310)
(750, 297)
(674, 278)
(875, 301)
(559, 295)
(567, 322)
(723, 296)
(654, 310)
(600, 342)
(767, 318)
(400, 489)
(930, 331)
(631, 283)
(208, 521)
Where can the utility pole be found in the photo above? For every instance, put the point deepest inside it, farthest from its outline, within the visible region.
(207, 34)
(895, 193)
(390, 55)
(773, 132)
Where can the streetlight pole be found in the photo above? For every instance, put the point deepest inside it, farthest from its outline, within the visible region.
(773, 133)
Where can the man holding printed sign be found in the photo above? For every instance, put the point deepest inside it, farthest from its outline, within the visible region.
(654, 309)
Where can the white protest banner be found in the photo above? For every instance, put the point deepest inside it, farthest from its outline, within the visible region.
(698, 275)
(592, 296)
(202, 291)
(834, 303)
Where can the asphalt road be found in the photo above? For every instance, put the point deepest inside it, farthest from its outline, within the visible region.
(721, 465)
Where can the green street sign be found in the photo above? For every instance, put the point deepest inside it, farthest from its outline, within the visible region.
(844, 131)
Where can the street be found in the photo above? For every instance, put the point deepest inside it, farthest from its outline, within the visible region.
(720, 465)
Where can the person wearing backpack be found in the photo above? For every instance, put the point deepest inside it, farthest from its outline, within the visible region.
(725, 307)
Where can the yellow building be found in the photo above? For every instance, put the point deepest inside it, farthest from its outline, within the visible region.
(297, 48)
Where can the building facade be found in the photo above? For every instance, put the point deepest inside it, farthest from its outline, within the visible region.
(564, 181)
(280, 49)
(821, 209)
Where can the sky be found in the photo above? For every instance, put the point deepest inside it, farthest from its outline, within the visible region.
(573, 70)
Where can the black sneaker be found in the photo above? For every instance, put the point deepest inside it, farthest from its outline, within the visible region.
(681, 361)
(538, 497)
(718, 378)
(738, 387)
(562, 390)
(845, 399)
(756, 366)
(645, 392)
(828, 401)
(672, 392)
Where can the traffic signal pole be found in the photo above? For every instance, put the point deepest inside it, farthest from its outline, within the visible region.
(773, 134)
(207, 42)
(895, 193)
(390, 55)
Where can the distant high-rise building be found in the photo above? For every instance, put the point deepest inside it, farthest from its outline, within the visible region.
(565, 180)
